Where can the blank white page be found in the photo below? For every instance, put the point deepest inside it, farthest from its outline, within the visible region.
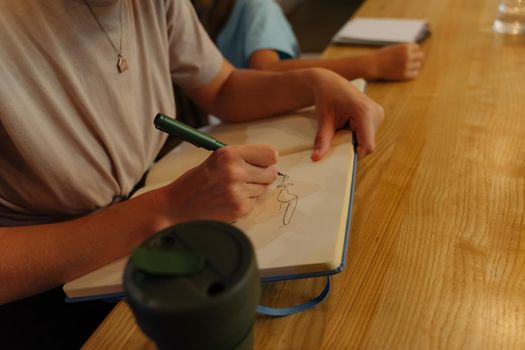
(384, 30)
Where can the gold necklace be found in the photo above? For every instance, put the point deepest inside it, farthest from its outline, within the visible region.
(122, 64)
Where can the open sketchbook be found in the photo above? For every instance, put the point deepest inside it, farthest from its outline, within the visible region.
(299, 228)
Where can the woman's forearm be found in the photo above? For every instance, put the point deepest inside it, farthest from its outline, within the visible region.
(224, 187)
(251, 94)
(349, 67)
(40, 257)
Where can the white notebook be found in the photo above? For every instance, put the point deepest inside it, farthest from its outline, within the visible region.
(299, 228)
(382, 31)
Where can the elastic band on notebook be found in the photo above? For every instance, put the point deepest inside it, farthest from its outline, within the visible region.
(285, 311)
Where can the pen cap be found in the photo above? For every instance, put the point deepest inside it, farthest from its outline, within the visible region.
(195, 285)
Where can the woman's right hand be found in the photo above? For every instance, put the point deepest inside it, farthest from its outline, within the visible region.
(224, 187)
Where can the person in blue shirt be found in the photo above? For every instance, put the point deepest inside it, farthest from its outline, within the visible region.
(256, 34)
(255, 25)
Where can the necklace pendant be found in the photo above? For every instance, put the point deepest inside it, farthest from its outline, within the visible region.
(122, 64)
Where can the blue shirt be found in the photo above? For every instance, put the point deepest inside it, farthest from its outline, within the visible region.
(254, 25)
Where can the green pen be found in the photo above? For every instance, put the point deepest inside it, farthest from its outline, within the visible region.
(187, 133)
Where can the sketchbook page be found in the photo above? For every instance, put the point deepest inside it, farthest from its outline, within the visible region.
(105, 281)
(382, 31)
(360, 84)
(299, 225)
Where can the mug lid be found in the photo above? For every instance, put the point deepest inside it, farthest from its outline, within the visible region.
(189, 266)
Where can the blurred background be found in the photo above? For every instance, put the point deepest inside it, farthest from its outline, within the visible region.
(314, 21)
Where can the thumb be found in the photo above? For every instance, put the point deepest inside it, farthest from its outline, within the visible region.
(325, 134)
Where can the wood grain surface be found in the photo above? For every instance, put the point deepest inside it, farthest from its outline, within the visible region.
(436, 256)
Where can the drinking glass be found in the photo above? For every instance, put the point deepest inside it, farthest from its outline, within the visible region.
(511, 17)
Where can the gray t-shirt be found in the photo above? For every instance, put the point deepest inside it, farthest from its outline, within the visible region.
(75, 134)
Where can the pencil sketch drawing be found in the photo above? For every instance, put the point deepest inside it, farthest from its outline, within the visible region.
(287, 199)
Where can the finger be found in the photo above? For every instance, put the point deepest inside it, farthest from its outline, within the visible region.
(365, 133)
(255, 190)
(325, 134)
(414, 65)
(260, 175)
(413, 70)
(411, 74)
(258, 155)
(417, 56)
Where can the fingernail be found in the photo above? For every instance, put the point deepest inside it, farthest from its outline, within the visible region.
(315, 155)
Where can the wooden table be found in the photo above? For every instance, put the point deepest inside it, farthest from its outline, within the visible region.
(437, 249)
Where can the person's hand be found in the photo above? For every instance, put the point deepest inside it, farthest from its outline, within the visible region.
(338, 104)
(225, 186)
(397, 62)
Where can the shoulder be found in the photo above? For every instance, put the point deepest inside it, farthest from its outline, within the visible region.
(258, 12)
(259, 6)
(180, 9)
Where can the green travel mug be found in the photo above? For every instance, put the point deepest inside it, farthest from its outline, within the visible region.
(195, 285)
